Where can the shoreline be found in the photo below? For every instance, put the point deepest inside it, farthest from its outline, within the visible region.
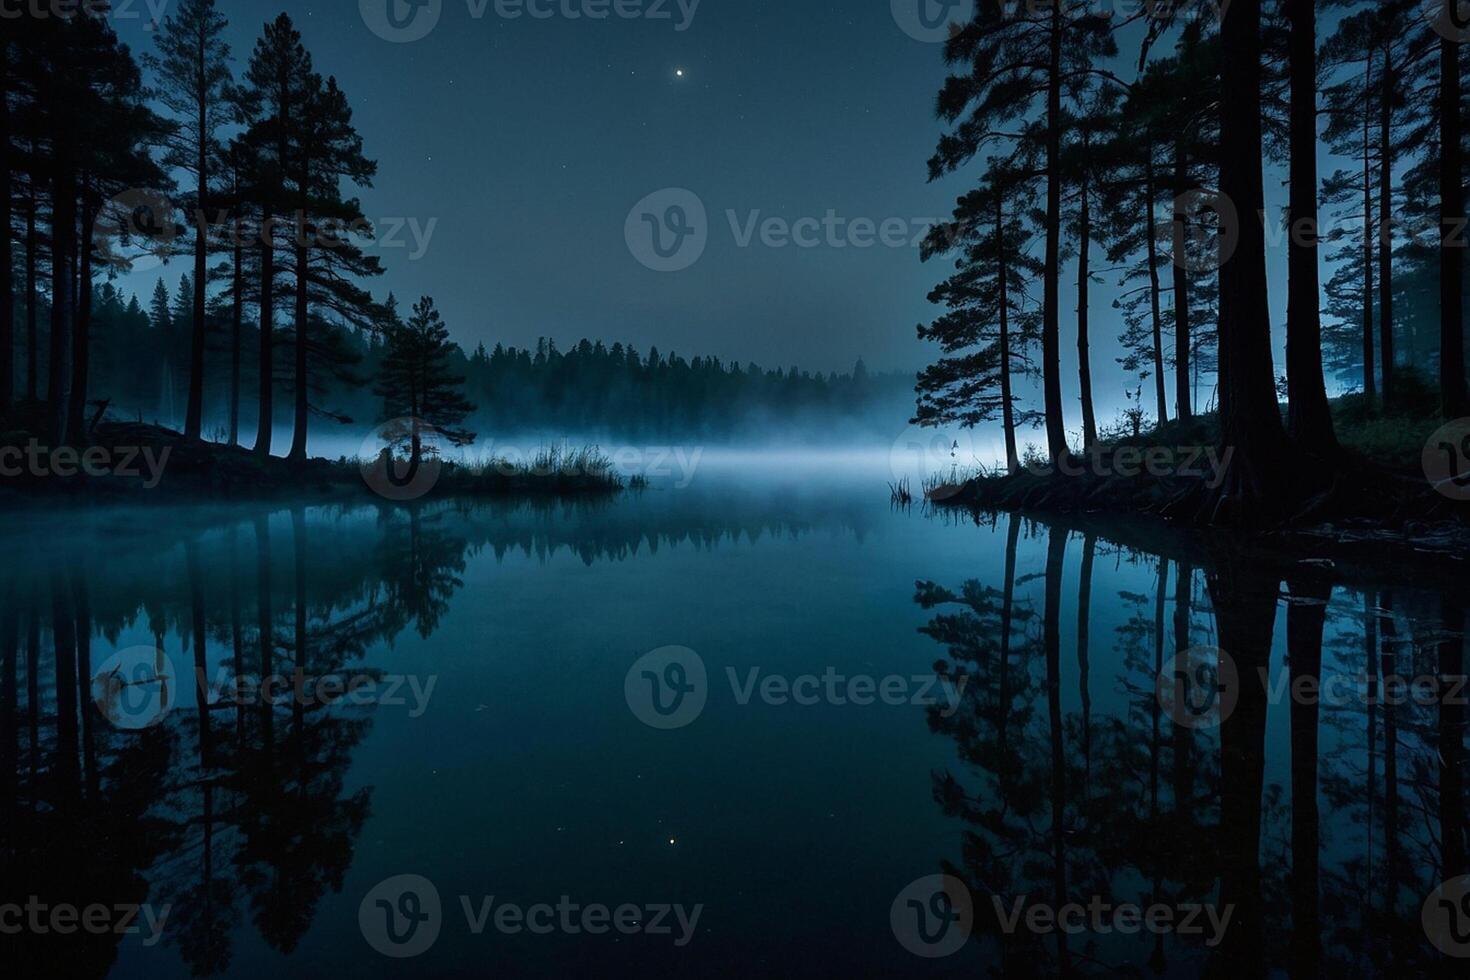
(138, 463)
(1366, 515)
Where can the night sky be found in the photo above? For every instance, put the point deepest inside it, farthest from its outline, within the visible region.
(528, 141)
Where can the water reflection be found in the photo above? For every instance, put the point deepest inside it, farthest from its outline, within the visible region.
(233, 807)
(1321, 823)
(261, 823)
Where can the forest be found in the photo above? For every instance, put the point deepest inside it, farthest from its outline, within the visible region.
(140, 359)
(1129, 144)
(1133, 146)
(114, 163)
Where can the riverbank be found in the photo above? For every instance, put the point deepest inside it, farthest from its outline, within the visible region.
(1371, 501)
(129, 461)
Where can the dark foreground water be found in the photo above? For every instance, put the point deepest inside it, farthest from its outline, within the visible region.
(719, 730)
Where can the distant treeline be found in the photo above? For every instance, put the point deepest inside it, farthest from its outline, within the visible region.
(594, 388)
(140, 365)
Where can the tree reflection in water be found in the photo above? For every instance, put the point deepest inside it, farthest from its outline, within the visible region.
(1323, 823)
(231, 810)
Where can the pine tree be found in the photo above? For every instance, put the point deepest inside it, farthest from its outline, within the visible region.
(415, 382)
(1351, 106)
(1454, 400)
(277, 79)
(1310, 419)
(7, 268)
(193, 71)
(1164, 144)
(1250, 415)
(1007, 65)
(987, 329)
(1087, 164)
(160, 309)
(327, 256)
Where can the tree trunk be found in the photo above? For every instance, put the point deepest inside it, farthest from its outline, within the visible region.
(1451, 737)
(1007, 617)
(1183, 395)
(1056, 554)
(1310, 419)
(63, 315)
(1388, 668)
(7, 271)
(1370, 374)
(303, 395)
(1452, 235)
(9, 715)
(1051, 368)
(1370, 658)
(1183, 743)
(1245, 612)
(1084, 626)
(1385, 233)
(1161, 400)
(194, 412)
(67, 765)
(237, 316)
(1084, 369)
(237, 630)
(82, 614)
(1007, 409)
(33, 690)
(33, 340)
(82, 341)
(265, 621)
(1304, 625)
(1250, 417)
(199, 641)
(298, 547)
(267, 338)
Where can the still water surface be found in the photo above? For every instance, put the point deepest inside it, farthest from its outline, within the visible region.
(889, 695)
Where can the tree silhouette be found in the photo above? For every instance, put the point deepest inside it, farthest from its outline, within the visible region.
(1454, 401)
(7, 267)
(326, 258)
(415, 383)
(1310, 420)
(1250, 418)
(192, 66)
(1006, 65)
(989, 324)
(278, 83)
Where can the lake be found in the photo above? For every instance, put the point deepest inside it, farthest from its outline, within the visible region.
(741, 726)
